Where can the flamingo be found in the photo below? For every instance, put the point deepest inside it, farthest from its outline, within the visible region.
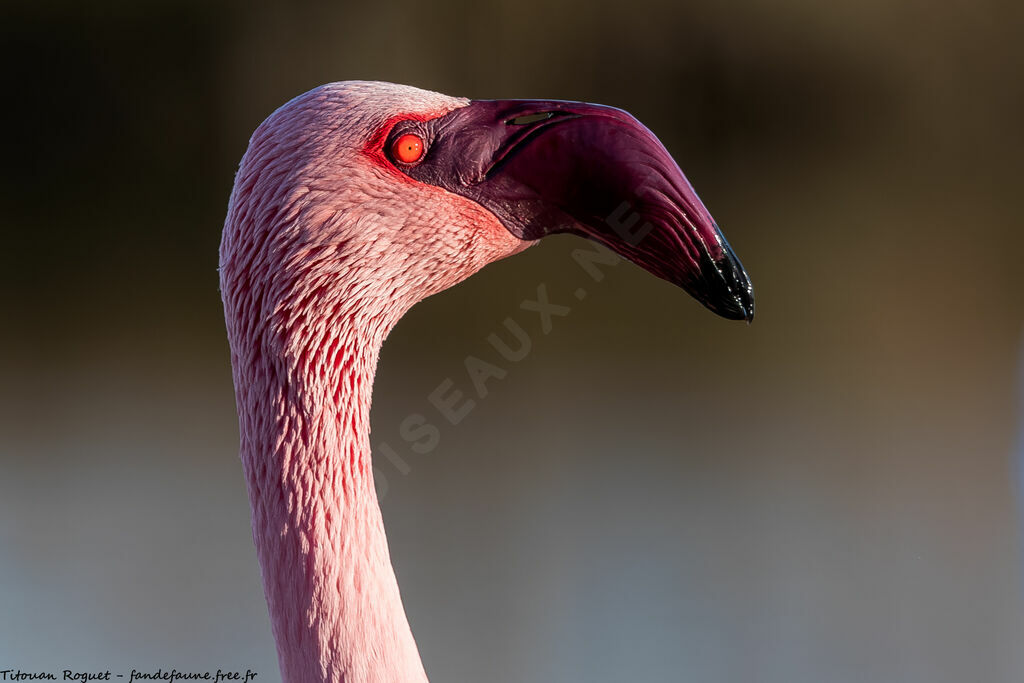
(353, 202)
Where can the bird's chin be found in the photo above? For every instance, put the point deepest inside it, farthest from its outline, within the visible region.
(521, 245)
(472, 237)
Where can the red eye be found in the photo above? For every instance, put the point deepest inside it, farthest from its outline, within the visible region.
(408, 148)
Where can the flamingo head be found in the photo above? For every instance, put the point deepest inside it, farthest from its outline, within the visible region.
(387, 194)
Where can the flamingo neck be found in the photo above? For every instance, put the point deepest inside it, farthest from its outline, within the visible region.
(334, 603)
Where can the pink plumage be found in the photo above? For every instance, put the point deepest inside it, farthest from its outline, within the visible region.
(327, 243)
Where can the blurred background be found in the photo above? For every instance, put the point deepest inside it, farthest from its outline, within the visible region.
(654, 494)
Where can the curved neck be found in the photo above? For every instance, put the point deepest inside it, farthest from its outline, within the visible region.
(334, 602)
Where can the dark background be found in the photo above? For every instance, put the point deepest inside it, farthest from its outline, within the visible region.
(654, 494)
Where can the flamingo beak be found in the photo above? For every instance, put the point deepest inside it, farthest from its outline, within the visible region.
(545, 167)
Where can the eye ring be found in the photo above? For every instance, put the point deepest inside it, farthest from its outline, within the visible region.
(407, 148)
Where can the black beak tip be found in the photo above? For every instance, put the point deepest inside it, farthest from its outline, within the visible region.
(732, 294)
(735, 307)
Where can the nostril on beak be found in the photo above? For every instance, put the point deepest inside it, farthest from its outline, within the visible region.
(527, 119)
